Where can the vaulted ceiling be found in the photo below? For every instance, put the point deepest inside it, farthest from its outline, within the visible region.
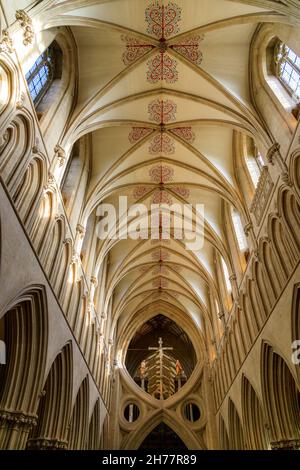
(162, 88)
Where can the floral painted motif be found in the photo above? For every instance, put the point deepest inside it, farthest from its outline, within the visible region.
(161, 197)
(135, 49)
(138, 133)
(181, 191)
(160, 283)
(190, 49)
(160, 270)
(163, 23)
(163, 19)
(162, 143)
(162, 67)
(160, 255)
(184, 133)
(162, 111)
(141, 191)
(161, 173)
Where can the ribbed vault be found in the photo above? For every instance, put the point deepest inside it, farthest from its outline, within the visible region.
(163, 91)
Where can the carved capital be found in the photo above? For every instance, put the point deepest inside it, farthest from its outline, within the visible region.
(94, 280)
(286, 178)
(6, 43)
(273, 150)
(17, 419)
(221, 314)
(293, 444)
(26, 24)
(80, 230)
(4, 139)
(43, 443)
(247, 228)
(60, 154)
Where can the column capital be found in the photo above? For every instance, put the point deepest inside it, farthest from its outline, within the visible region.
(6, 43)
(60, 154)
(80, 230)
(26, 24)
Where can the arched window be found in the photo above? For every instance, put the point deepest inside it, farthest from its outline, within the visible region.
(253, 169)
(287, 69)
(239, 231)
(226, 275)
(46, 69)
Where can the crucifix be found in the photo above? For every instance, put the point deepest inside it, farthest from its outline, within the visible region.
(160, 350)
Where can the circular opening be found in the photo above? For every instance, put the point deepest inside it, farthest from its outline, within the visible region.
(192, 412)
(131, 412)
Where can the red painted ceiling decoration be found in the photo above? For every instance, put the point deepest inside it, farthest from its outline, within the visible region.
(181, 191)
(160, 255)
(163, 23)
(189, 49)
(162, 67)
(161, 197)
(184, 133)
(162, 111)
(160, 269)
(160, 283)
(163, 20)
(135, 49)
(162, 143)
(161, 174)
(138, 133)
(141, 191)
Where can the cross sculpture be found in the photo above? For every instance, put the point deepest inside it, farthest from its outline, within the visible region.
(163, 369)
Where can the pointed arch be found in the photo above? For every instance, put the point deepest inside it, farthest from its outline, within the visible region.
(223, 434)
(94, 428)
(281, 398)
(78, 430)
(253, 418)
(26, 338)
(55, 405)
(236, 434)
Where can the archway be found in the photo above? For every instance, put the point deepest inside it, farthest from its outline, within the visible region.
(254, 420)
(25, 335)
(55, 405)
(163, 437)
(160, 339)
(281, 400)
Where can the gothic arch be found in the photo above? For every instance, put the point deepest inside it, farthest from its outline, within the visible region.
(236, 434)
(94, 428)
(19, 139)
(280, 397)
(223, 435)
(296, 322)
(55, 405)
(289, 211)
(78, 427)
(27, 195)
(253, 418)
(26, 337)
(136, 438)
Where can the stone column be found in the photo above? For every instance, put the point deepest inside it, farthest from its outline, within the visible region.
(15, 427)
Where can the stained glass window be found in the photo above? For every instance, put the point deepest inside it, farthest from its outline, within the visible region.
(288, 69)
(40, 76)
